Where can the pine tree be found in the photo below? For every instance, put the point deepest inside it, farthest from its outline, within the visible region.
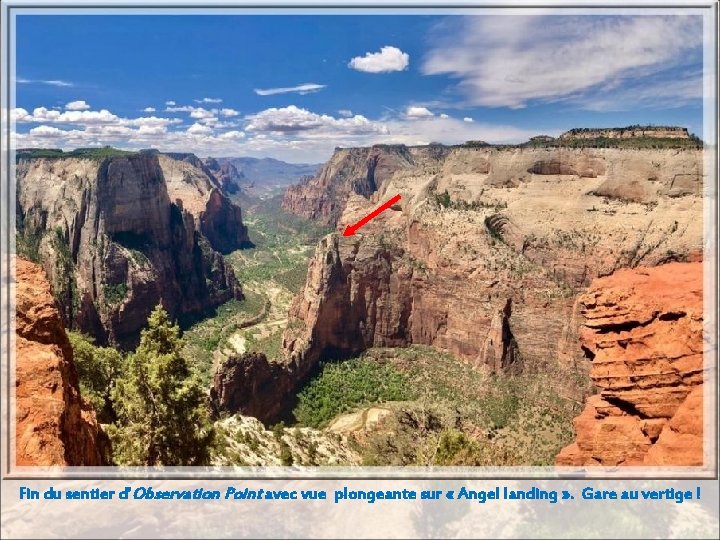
(98, 368)
(162, 412)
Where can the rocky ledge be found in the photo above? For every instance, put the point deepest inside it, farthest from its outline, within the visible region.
(54, 426)
(643, 332)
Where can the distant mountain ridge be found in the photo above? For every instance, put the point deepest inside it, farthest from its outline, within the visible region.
(263, 170)
(265, 176)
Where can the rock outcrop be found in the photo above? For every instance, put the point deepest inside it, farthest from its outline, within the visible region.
(643, 331)
(636, 175)
(54, 426)
(350, 170)
(118, 235)
(500, 351)
(228, 176)
(630, 132)
(192, 186)
(250, 384)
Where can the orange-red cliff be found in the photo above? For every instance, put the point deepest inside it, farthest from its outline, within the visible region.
(643, 331)
(54, 425)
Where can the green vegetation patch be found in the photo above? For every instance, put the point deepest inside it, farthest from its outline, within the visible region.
(204, 337)
(343, 386)
(115, 293)
(92, 153)
(446, 411)
(97, 369)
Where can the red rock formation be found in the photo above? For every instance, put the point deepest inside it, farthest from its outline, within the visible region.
(643, 331)
(500, 352)
(54, 425)
(350, 170)
(252, 385)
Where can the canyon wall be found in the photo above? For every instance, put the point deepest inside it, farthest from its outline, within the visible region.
(630, 175)
(120, 234)
(643, 331)
(349, 170)
(54, 426)
(477, 228)
(655, 132)
(193, 187)
(486, 252)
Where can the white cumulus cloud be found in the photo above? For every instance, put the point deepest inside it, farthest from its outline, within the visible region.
(208, 100)
(199, 112)
(418, 112)
(170, 103)
(79, 105)
(229, 112)
(149, 109)
(386, 60)
(293, 119)
(468, 119)
(232, 135)
(47, 131)
(199, 129)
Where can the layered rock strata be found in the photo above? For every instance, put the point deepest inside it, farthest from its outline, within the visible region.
(118, 235)
(643, 332)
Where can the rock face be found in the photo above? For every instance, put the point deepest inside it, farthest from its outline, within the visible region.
(54, 425)
(631, 132)
(350, 170)
(249, 384)
(121, 234)
(500, 352)
(644, 176)
(643, 332)
(475, 227)
(199, 192)
(228, 176)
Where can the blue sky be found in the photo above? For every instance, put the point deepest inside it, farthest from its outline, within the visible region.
(294, 87)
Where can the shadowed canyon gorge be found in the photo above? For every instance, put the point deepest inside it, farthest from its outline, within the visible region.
(511, 290)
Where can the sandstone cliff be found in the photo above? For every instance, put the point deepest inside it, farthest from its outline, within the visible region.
(476, 227)
(251, 384)
(350, 170)
(643, 331)
(655, 132)
(200, 193)
(630, 175)
(228, 176)
(54, 425)
(120, 234)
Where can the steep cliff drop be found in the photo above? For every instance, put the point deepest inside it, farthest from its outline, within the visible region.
(360, 171)
(479, 225)
(643, 332)
(120, 234)
(54, 425)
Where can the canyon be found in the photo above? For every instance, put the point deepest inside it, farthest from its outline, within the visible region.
(539, 272)
(117, 235)
(484, 257)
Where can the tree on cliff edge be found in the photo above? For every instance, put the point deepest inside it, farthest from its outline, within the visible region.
(162, 414)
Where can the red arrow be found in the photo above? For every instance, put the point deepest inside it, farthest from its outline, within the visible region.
(350, 229)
